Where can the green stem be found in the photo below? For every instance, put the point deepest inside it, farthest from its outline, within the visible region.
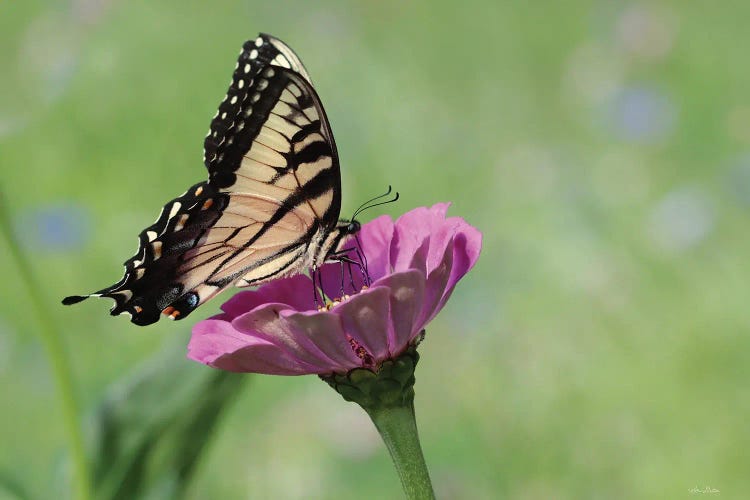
(57, 356)
(398, 428)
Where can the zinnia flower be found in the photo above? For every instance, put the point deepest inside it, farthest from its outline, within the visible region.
(413, 264)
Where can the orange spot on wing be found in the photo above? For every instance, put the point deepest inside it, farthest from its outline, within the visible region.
(138, 309)
(167, 310)
(207, 204)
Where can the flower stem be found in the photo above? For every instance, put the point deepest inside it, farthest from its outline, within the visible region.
(387, 395)
(398, 428)
(57, 357)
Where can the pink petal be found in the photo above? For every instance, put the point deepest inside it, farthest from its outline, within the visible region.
(440, 209)
(261, 358)
(406, 296)
(376, 237)
(213, 338)
(419, 257)
(270, 323)
(439, 238)
(411, 231)
(422, 231)
(216, 343)
(295, 291)
(435, 287)
(326, 332)
(365, 318)
(466, 248)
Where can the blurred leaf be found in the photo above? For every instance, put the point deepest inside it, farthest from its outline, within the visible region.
(153, 427)
(10, 487)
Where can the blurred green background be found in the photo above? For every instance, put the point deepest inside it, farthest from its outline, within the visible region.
(600, 349)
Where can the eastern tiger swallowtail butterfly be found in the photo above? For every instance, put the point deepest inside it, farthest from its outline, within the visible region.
(269, 209)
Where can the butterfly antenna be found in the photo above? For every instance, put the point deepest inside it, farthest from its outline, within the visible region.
(369, 203)
(363, 205)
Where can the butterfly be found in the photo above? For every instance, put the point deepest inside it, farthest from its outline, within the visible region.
(269, 209)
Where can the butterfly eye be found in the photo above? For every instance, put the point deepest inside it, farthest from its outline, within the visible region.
(353, 227)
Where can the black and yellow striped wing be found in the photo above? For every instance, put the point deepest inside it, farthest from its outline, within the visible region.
(271, 204)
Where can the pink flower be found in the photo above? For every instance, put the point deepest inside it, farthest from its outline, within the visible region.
(414, 265)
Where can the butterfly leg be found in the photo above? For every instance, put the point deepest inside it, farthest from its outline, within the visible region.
(363, 259)
(363, 266)
(351, 277)
(343, 256)
(343, 259)
(341, 292)
(318, 287)
(313, 273)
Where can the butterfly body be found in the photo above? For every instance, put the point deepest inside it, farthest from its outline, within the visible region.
(269, 209)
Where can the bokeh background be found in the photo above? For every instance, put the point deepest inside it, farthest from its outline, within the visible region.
(601, 347)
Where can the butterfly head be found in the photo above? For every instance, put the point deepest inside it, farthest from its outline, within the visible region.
(339, 236)
(347, 227)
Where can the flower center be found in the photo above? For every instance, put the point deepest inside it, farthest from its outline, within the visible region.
(360, 351)
(331, 303)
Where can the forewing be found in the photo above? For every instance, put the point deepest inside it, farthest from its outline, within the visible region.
(256, 55)
(282, 151)
(286, 58)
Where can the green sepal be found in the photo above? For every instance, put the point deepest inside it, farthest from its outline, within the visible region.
(391, 384)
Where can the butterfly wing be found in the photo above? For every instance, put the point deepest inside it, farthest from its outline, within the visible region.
(272, 199)
(285, 56)
(150, 283)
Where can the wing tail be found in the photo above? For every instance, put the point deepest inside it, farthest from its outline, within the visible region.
(75, 299)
